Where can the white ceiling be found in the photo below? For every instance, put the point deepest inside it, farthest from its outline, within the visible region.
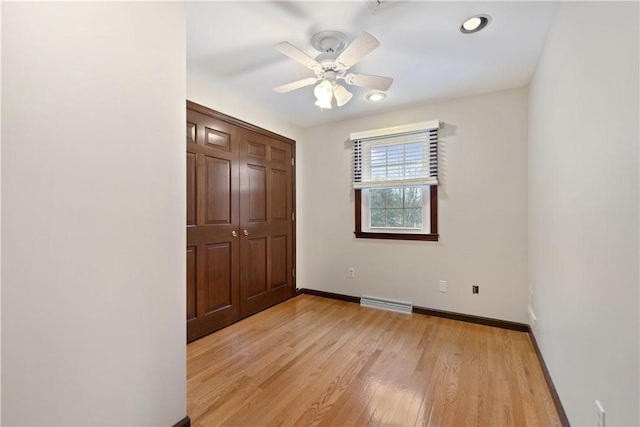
(230, 46)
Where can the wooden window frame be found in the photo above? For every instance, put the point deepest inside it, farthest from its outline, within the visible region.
(432, 236)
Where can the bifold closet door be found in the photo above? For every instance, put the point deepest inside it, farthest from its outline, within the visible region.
(266, 207)
(213, 241)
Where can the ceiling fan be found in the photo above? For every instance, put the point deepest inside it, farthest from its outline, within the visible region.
(332, 65)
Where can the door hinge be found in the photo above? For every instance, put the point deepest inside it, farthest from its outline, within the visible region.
(293, 161)
(293, 216)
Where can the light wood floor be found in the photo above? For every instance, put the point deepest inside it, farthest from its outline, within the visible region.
(317, 361)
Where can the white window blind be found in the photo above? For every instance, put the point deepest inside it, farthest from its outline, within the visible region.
(396, 157)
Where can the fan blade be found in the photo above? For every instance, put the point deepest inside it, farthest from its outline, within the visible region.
(342, 95)
(369, 81)
(297, 55)
(364, 44)
(295, 85)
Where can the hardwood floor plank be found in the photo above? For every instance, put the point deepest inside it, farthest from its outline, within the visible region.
(315, 361)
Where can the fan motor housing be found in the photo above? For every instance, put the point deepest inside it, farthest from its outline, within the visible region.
(327, 62)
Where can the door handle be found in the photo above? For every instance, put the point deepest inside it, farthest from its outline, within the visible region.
(245, 232)
(234, 233)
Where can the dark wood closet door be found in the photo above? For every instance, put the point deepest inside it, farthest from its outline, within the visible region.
(213, 243)
(266, 206)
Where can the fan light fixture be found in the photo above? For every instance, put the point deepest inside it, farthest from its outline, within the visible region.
(328, 91)
(324, 94)
(475, 24)
(376, 96)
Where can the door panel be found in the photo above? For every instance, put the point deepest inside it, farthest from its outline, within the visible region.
(278, 195)
(191, 189)
(218, 190)
(217, 139)
(191, 132)
(191, 283)
(219, 286)
(279, 256)
(265, 214)
(256, 266)
(256, 177)
(256, 149)
(214, 145)
(279, 156)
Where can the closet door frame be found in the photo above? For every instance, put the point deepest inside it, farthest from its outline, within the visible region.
(249, 128)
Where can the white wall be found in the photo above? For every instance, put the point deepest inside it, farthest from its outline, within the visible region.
(0, 224)
(583, 209)
(482, 212)
(93, 199)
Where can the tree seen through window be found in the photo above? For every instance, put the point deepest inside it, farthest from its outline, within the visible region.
(396, 207)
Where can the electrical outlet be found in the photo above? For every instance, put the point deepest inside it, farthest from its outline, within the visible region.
(475, 289)
(443, 286)
(599, 414)
(351, 272)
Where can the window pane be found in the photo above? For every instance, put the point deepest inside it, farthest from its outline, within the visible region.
(397, 161)
(376, 198)
(413, 197)
(398, 207)
(377, 218)
(414, 151)
(394, 197)
(379, 173)
(395, 154)
(395, 172)
(378, 156)
(394, 217)
(414, 170)
(413, 218)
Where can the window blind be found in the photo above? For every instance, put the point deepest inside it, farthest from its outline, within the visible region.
(399, 159)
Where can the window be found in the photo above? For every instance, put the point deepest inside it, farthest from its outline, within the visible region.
(395, 180)
(402, 209)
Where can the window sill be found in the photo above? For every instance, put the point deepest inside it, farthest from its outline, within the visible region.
(396, 236)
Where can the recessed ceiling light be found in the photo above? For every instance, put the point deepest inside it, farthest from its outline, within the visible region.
(376, 96)
(475, 24)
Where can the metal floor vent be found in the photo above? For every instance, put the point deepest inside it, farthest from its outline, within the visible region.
(386, 304)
